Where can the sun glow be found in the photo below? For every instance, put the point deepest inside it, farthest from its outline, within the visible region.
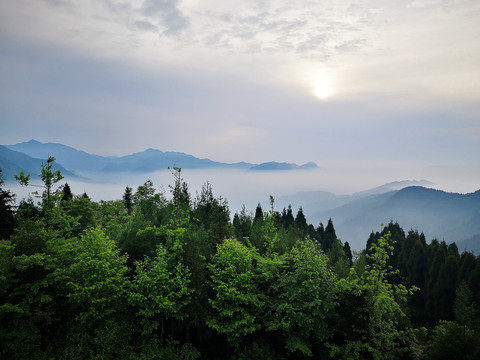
(322, 90)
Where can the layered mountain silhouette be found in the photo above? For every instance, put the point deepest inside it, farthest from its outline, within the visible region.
(438, 214)
(13, 162)
(81, 163)
(411, 203)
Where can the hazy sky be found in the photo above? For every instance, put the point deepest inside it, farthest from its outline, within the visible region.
(326, 81)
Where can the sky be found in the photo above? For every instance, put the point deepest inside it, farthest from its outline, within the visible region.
(371, 83)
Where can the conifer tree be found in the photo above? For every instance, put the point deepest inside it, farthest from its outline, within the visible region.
(7, 218)
(329, 236)
(128, 200)
(67, 193)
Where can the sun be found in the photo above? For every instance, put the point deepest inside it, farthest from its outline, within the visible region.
(322, 90)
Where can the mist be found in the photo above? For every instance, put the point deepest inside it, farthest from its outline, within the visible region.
(243, 187)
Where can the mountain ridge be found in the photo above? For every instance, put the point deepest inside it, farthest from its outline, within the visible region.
(81, 162)
(13, 162)
(438, 214)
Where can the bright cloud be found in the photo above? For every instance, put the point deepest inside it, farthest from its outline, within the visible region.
(208, 77)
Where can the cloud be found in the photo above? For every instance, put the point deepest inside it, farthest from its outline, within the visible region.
(60, 3)
(145, 25)
(168, 12)
(233, 80)
(315, 32)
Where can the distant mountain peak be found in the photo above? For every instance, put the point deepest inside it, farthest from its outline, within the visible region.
(309, 165)
(273, 165)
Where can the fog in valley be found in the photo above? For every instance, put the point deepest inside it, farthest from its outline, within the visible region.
(244, 187)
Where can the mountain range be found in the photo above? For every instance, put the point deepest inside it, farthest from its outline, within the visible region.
(411, 203)
(438, 214)
(76, 163)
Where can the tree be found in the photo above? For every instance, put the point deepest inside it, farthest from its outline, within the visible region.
(128, 200)
(148, 201)
(301, 225)
(7, 218)
(67, 193)
(444, 288)
(180, 192)
(242, 224)
(452, 341)
(49, 178)
(92, 272)
(305, 299)
(464, 307)
(213, 214)
(258, 218)
(288, 220)
(337, 259)
(348, 253)
(375, 325)
(329, 236)
(159, 290)
(236, 301)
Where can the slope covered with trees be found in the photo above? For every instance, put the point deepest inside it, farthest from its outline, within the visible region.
(168, 276)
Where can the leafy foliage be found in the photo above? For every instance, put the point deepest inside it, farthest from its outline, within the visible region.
(147, 277)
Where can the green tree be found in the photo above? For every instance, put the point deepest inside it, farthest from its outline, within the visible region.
(236, 301)
(25, 303)
(444, 288)
(338, 259)
(7, 217)
(289, 220)
(49, 178)
(67, 193)
(305, 300)
(93, 273)
(128, 200)
(376, 326)
(148, 201)
(452, 341)
(301, 224)
(242, 224)
(464, 308)
(159, 290)
(348, 253)
(329, 236)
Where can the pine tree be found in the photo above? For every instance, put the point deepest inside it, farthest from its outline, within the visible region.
(329, 236)
(128, 200)
(7, 218)
(348, 253)
(67, 193)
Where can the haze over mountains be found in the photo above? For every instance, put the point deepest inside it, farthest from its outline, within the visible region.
(438, 214)
(442, 215)
(81, 163)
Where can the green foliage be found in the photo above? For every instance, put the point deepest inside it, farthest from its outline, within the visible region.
(22, 178)
(452, 341)
(148, 201)
(305, 299)
(378, 333)
(236, 301)
(159, 291)
(128, 200)
(145, 278)
(92, 273)
(67, 193)
(464, 308)
(7, 217)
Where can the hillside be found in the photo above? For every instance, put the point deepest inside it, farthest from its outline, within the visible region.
(438, 214)
(13, 162)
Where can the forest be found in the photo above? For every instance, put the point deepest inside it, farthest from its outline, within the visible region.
(169, 275)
